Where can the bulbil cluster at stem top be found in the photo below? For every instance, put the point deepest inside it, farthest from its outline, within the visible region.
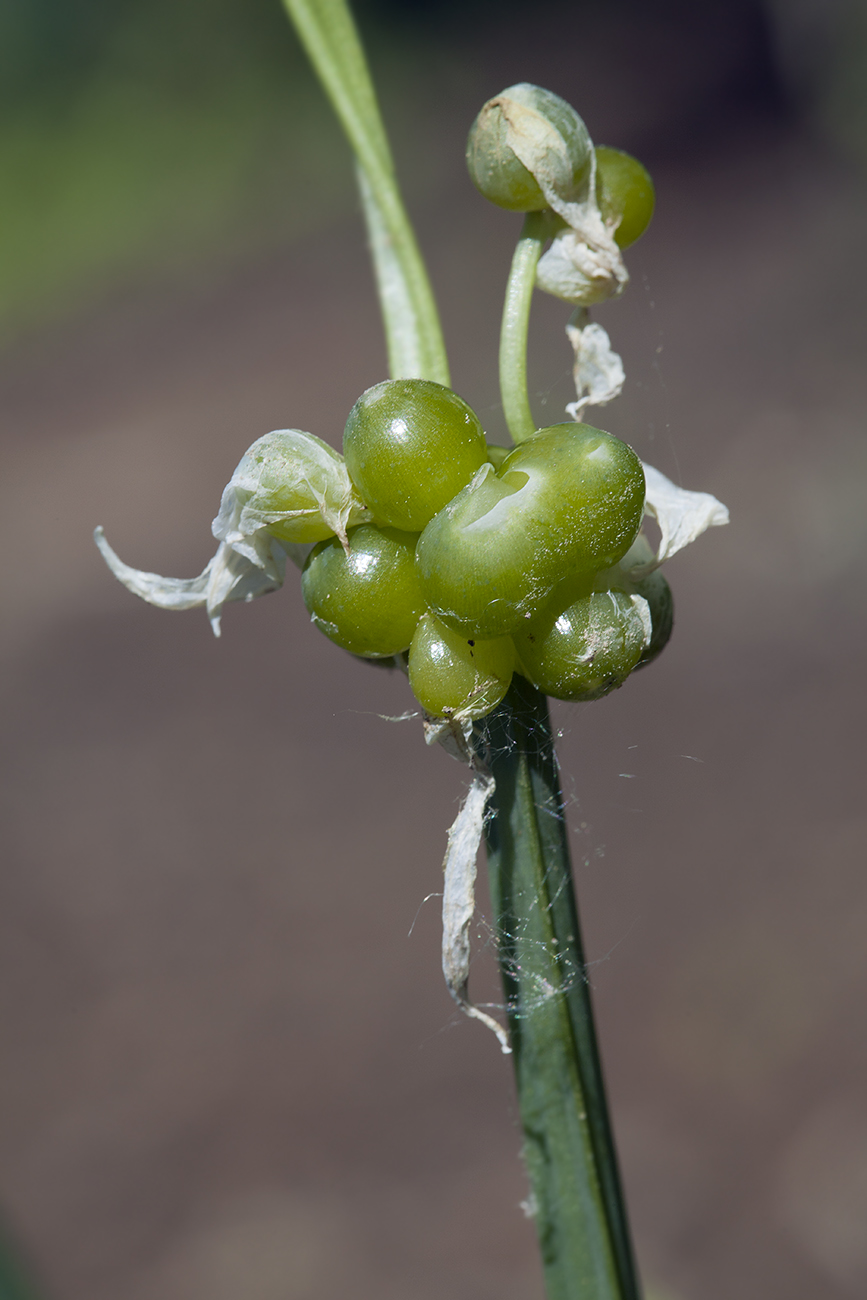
(475, 570)
(467, 561)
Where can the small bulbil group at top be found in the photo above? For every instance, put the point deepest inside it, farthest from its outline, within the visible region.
(529, 151)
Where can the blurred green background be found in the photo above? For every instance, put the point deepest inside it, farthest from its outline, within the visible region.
(148, 138)
(143, 136)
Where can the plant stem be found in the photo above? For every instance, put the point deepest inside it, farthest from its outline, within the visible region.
(516, 323)
(569, 1148)
(412, 327)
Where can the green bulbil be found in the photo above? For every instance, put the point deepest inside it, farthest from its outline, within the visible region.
(523, 141)
(366, 598)
(567, 502)
(587, 649)
(410, 445)
(625, 194)
(293, 484)
(450, 673)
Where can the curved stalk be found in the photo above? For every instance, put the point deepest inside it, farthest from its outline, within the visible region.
(516, 323)
(568, 1145)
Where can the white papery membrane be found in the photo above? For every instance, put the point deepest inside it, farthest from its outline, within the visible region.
(287, 477)
(583, 264)
(682, 517)
(293, 479)
(226, 577)
(459, 866)
(579, 267)
(641, 610)
(598, 370)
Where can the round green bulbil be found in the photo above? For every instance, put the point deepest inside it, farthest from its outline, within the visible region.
(585, 650)
(450, 673)
(366, 599)
(568, 501)
(553, 139)
(295, 485)
(410, 445)
(625, 194)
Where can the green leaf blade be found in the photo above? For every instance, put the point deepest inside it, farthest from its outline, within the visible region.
(414, 337)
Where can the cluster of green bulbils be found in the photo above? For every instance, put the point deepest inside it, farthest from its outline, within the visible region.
(479, 562)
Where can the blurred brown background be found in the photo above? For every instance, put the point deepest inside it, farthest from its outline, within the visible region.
(228, 1068)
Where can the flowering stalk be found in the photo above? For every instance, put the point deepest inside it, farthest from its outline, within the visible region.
(568, 1146)
(516, 323)
(569, 1151)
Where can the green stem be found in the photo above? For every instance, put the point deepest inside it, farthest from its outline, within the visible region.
(516, 324)
(413, 333)
(569, 1148)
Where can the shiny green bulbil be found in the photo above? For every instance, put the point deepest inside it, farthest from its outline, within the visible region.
(569, 500)
(410, 445)
(625, 194)
(450, 673)
(366, 599)
(651, 586)
(559, 139)
(585, 650)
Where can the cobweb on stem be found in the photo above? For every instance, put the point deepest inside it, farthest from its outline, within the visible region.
(457, 737)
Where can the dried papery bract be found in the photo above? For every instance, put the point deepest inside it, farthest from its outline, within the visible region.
(294, 485)
(682, 516)
(598, 370)
(228, 576)
(290, 489)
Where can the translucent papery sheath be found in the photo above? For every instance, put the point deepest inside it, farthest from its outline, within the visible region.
(682, 517)
(289, 490)
(583, 264)
(598, 370)
(226, 577)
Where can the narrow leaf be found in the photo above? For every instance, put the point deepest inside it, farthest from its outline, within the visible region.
(414, 337)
